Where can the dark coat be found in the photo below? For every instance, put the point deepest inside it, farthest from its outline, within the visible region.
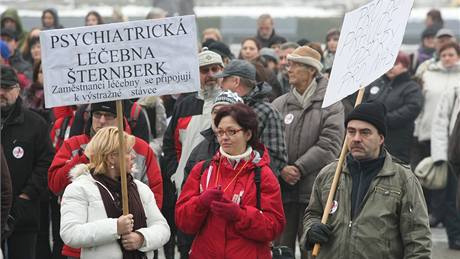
(403, 100)
(7, 192)
(29, 152)
(274, 38)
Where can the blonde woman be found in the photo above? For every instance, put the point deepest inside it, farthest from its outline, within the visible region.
(91, 212)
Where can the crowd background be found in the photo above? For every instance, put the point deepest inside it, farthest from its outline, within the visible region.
(421, 94)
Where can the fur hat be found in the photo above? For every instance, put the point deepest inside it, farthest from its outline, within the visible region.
(307, 56)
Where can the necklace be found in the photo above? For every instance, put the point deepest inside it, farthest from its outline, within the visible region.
(218, 174)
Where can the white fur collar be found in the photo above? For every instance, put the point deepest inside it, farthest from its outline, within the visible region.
(78, 170)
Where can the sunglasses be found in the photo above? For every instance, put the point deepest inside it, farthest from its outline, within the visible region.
(205, 70)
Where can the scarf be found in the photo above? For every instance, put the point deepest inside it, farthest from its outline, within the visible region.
(234, 160)
(304, 98)
(110, 190)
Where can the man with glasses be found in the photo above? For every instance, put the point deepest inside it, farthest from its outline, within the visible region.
(191, 115)
(71, 153)
(313, 136)
(378, 210)
(28, 151)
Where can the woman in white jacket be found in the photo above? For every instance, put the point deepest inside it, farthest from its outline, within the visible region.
(91, 213)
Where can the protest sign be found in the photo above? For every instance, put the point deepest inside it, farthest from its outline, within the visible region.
(120, 61)
(368, 46)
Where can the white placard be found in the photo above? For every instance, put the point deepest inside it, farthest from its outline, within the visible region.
(368, 46)
(120, 61)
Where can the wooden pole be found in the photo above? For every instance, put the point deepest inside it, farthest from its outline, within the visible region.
(122, 153)
(336, 178)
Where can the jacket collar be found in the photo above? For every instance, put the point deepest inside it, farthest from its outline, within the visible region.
(388, 168)
(317, 96)
(400, 79)
(17, 114)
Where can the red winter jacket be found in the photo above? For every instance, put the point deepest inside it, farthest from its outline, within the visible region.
(71, 154)
(248, 237)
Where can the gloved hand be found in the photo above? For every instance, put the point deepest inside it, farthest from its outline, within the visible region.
(318, 233)
(210, 195)
(226, 209)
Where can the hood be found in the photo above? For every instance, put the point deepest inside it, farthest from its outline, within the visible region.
(77, 171)
(260, 93)
(13, 14)
(440, 68)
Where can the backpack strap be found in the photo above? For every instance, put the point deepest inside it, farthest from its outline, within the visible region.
(257, 181)
(205, 165)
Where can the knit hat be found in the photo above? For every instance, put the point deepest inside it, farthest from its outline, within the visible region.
(219, 47)
(238, 67)
(8, 77)
(226, 98)
(104, 107)
(307, 56)
(373, 113)
(403, 58)
(207, 57)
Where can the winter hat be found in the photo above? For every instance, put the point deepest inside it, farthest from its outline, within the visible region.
(8, 77)
(104, 107)
(403, 58)
(307, 56)
(219, 47)
(429, 33)
(207, 57)
(373, 113)
(8, 33)
(4, 50)
(226, 98)
(445, 32)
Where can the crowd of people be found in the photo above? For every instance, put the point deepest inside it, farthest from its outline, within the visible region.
(241, 168)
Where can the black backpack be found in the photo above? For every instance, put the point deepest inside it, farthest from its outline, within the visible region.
(256, 180)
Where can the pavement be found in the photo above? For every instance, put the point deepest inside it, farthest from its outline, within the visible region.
(439, 239)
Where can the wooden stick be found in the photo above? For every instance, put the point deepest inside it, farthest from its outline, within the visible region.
(122, 153)
(335, 180)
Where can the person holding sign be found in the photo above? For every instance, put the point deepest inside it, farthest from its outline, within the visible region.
(310, 146)
(234, 205)
(72, 153)
(91, 205)
(379, 209)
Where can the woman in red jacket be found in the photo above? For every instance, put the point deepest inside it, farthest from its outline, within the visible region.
(219, 203)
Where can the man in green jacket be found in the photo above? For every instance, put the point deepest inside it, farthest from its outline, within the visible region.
(378, 210)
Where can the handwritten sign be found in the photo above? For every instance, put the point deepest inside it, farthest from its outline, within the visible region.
(368, 46)
(120, 61)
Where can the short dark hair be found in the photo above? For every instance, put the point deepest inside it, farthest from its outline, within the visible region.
(450, 44)
(257, 42)
(244, 116)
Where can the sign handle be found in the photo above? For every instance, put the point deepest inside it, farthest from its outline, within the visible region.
(335, 180)
(122, 152)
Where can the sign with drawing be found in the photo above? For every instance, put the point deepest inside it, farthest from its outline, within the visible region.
(368, 46)
(120, 61)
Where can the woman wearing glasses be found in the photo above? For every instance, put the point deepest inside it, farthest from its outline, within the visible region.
(220, 203)
(91, 212)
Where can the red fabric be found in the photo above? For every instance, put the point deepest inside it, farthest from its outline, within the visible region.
(182, 124)
(69, 251)
(63, 111)
(251, 234)
(226, 209)
(55, 131)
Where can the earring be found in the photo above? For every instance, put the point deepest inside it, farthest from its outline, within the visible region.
(112, 167)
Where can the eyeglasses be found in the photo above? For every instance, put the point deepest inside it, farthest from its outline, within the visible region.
(107, 115)
(228, 132)
(214, 69)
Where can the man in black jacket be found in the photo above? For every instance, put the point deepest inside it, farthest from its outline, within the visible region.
(266, 33)
(403, 100)
(28, 151)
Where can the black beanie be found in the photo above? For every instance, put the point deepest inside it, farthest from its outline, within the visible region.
(373, 113)
(104, 107)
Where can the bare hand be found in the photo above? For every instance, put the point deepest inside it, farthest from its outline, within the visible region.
(132, 241)
(125, 224)
(290, 174)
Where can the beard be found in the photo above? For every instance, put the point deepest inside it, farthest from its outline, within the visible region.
(210, 90)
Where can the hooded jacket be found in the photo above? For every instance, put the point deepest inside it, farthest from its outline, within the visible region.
(12, 14)
(84, 221)
(248, 237)
(403, 100)
(313, 137)
(270, 125)
(392, 221)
